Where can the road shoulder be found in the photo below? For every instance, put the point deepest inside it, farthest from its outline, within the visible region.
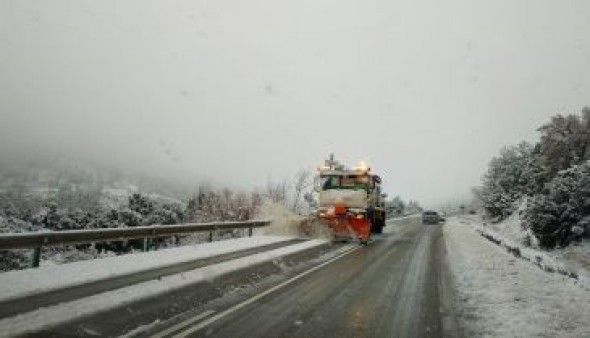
(499, 295)
(448, 301)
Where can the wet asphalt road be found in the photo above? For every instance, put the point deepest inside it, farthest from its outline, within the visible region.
(393, 287)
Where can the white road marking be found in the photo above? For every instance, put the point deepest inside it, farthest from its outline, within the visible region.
(183, 324)
(236, 307)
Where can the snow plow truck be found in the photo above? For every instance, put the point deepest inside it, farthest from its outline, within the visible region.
(351, 203)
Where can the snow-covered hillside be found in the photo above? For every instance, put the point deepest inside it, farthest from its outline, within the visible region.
(76, 184)
(59, 194)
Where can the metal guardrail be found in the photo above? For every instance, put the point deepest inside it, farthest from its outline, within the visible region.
(37, 240)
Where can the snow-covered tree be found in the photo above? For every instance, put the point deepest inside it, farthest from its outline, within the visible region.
(565, 142)
(208, 205)
(141, 205)
(504, 182)
(277, 192)
(191, 212)
(553, 216)
(535, 175)
(395, 207)
(413, 207)
(169, 213)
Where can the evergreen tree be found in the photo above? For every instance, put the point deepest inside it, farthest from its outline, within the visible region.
(553, 216)
(505, 180)
(565, 142)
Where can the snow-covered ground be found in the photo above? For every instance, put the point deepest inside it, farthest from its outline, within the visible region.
(574, 259)
(54, 315)
(500, 295)
(16, 284)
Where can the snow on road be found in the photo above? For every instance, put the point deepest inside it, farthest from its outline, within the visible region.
(17, 284)
(54, 315)
(393, 226)
(499, 295)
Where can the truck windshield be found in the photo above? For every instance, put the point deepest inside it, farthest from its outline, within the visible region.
(345, 182)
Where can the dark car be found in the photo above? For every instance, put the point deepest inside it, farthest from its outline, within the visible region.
(431, 217)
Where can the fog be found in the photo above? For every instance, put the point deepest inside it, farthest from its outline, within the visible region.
(243, 92)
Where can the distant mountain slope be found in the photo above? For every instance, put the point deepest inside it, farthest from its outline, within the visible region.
(76, 184)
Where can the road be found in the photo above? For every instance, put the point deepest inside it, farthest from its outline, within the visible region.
(14, 307)
(391, 288)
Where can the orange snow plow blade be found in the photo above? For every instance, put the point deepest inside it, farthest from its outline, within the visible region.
(348, 227)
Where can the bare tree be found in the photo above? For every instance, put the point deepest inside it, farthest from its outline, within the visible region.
(277, 191)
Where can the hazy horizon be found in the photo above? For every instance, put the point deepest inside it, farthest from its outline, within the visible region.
(240, 93)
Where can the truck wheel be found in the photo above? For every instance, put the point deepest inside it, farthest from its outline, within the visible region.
(379, 229)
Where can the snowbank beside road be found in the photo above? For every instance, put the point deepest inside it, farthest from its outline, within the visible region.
(499, 295)
(54, 315)
(572, 260)
(17, 284)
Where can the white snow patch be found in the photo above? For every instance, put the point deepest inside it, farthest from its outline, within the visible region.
(511, 230)
(54, 315)
(574, 258)
(499, 295)
(16, 284)
(577, 258)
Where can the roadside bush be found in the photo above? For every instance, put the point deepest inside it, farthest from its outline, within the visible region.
(14, 260)
(554, 217)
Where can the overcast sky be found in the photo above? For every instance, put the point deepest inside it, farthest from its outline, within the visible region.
(240, 92)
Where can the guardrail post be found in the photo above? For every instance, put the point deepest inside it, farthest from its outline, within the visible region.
(36, 259)
(211, 236)
(250, 232)
(146, 246)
